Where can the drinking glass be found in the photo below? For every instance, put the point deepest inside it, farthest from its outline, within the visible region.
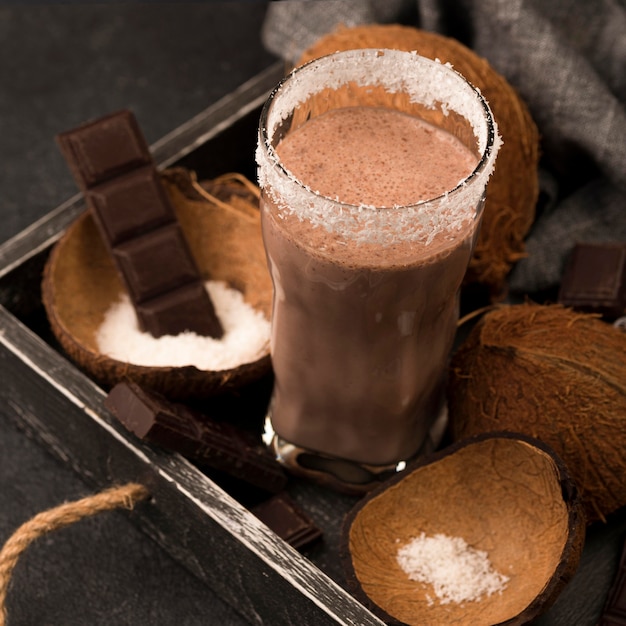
(365, 297)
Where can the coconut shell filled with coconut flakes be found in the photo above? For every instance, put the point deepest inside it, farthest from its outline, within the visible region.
(487, 531)
(221, 224)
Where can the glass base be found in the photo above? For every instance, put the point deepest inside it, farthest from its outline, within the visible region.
(350, 477)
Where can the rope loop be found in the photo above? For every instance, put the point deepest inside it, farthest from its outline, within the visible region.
(123, 496)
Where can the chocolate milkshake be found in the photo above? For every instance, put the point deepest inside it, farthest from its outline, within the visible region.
(366, 274)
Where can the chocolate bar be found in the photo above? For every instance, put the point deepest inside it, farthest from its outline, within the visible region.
(179, 428)
(287, 520)
(594, 280)
(112, 165)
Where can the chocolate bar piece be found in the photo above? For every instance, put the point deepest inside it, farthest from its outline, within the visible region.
(162, 315)
(112, 165)
(281, 514)
(614, 611)
(177, 427)
(140, 189)
(162, 247)
(594, 280)
(105, 148)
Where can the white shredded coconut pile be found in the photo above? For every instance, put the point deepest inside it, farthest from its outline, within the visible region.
(246, 336)
(457, 572)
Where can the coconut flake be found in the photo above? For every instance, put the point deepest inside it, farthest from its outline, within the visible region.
(245, 340)
(457, 572)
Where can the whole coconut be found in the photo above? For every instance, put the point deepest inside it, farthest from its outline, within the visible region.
(556, 375)
(513, 189)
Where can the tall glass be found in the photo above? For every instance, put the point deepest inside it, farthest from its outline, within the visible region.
(365, 294)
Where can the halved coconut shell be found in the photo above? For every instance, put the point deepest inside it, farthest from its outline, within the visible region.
(80, 283)
(505, 494)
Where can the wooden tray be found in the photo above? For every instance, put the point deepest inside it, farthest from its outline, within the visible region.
(190, 516)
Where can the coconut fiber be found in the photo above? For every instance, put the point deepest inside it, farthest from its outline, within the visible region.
(556, 375)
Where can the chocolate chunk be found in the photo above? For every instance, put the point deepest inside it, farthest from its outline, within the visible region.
(140, 189)
(281, 514)
(162, 315)
(164, 248)
(179, 428)
(594, 279)
(111, 163)
(104, 148)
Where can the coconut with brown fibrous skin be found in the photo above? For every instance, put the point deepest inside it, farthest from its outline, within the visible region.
(80, 283)
(505, 494)
(554, 374)
(514, 187)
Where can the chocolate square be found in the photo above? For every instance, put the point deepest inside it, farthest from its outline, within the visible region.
(179, 310)
(130, 205)
(281, 514)
(156, 262)
(594, 279)
(105, 148)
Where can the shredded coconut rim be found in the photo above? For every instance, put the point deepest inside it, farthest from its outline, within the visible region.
(428, 83)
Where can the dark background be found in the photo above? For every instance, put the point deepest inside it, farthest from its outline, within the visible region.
(61, 64)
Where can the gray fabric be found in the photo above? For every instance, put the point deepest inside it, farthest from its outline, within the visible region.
(291, 27)
(567, 59)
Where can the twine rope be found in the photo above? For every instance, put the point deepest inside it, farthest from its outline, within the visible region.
(123, 496)
(227, 178)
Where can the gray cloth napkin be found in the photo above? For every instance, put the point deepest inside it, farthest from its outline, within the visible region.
(566, 58)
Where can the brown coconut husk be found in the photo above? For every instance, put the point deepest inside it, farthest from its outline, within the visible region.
(80, 283)
(554, 374)
(514, 187)
(505, 494)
